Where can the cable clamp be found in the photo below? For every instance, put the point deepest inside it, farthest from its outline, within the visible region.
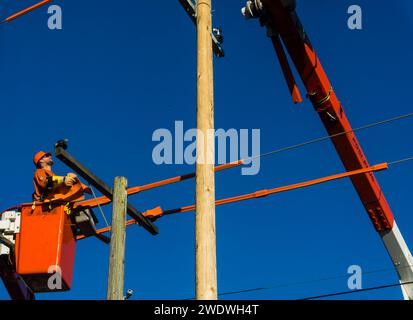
(319, 103)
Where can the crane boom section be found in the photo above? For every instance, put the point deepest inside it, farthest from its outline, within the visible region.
(286, 24)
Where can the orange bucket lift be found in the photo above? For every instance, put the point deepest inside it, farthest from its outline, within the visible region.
(38, 240)
(45, 245)
(38, 245)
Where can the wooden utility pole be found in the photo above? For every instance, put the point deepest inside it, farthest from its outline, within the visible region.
(117, 240)
(205, 239)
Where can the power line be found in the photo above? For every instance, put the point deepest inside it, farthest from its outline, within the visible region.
(100, 208)
(316, 140)
(357, 291)
(291, 284)
(400, 161)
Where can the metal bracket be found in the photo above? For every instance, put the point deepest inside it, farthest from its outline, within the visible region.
(15, 285)
(99, 184)
(216, 34)
(9, 226)
(129, 294)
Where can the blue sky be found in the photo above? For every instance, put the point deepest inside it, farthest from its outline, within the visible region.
(118, 71)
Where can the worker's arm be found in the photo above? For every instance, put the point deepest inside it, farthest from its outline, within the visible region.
(50, 182)
(56, 181)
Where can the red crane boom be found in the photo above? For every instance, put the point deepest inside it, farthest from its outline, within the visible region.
(282, 22)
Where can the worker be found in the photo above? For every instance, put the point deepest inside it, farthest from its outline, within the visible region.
(46, 183)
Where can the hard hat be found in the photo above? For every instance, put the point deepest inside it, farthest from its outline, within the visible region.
(38, 156)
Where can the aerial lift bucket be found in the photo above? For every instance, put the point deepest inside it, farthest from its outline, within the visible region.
(45, 248)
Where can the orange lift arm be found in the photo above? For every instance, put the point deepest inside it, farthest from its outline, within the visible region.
(283, 23)
(27, 10)
(158, 212)
(134, 190)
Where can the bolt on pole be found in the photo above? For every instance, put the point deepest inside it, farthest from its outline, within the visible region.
(117, 240)
(205, 239)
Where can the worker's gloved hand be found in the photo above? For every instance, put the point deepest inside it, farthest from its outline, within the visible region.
(72, 175)
(69, 181)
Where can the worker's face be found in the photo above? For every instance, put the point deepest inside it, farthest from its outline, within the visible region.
(47, 160)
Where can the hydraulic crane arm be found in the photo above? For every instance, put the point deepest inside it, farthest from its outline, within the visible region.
(282, 22)
(285, 24)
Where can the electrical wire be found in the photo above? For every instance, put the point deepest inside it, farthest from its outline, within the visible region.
(100, 208)
(292, 284)
(400, 161)
(316, 140)
(357, 291)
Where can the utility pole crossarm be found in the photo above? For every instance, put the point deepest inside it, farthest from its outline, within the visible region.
(100, 185)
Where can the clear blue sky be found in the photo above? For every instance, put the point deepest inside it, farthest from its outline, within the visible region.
(120, 70)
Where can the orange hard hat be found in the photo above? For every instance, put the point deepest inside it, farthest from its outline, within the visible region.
(38, 156)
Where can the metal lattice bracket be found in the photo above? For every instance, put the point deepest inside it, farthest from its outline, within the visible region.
(216, 34)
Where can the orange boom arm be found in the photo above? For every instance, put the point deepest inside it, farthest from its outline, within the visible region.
(158, 212)
(27, 10)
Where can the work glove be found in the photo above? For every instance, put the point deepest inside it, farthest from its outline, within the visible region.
(72, 175)
(58, 180)
(69, 180)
